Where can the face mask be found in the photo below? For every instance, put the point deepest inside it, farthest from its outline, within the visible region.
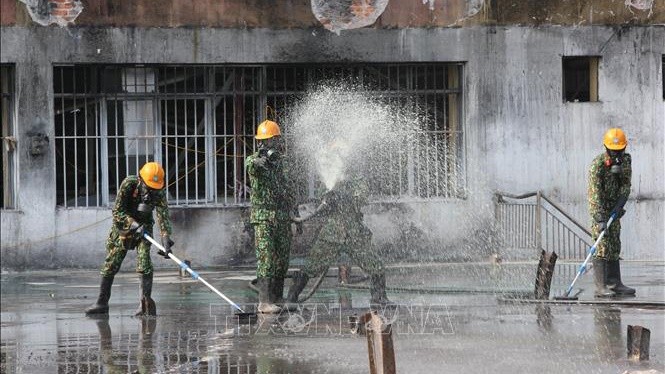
(615, 161)
(270, 149)
(146, 205)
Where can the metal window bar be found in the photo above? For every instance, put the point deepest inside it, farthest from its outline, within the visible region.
(199, 122)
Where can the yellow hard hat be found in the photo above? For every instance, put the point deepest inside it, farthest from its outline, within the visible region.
(615, 139)
(153, 175)
(267, 129)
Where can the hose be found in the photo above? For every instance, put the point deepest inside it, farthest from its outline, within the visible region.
(317, 283)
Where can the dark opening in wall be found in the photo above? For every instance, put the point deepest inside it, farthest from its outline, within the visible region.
(8, 139)
(580, 78)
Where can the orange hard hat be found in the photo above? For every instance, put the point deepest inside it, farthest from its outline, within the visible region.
(267, 129)
(615, 139)
(153, 175)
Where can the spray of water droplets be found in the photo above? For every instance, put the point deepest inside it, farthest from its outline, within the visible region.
(340, 127)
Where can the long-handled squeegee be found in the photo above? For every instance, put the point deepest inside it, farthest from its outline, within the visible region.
(592, 251)
(242, 314)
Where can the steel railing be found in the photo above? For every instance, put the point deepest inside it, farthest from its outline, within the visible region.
(533, 221)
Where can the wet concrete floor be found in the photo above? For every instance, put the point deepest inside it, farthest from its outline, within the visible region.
(459, 326)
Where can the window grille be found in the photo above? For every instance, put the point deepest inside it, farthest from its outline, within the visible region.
(198, 121)
(8, 144)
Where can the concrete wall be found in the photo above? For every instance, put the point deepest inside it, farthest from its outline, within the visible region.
(520, 136)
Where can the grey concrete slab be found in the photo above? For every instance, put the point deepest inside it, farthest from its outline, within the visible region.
(44, 329)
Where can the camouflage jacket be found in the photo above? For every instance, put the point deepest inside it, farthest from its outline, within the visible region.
(605, 188)
(344, 218)
(272, 194)
(129, 197)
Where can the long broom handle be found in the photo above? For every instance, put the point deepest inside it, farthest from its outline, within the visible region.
(592, 250)
(194, 274)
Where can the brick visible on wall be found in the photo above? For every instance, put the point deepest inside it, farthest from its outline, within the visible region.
(7, 13)
(59, 4)
(338, 15)
(60, 12)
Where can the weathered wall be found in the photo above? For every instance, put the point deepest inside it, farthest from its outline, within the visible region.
(533, 140)
(519, 134)
(288, 14)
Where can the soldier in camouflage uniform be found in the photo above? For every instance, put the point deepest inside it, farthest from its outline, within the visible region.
(344, 233)
(609, 187)
(272, 200)
(132, 216)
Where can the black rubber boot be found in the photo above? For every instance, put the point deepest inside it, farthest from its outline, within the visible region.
(600, 270)
(102, 304)
(147, 305)
(377, 290)
(277, 290)
(266, 304)
(300, 280)
(614, 279)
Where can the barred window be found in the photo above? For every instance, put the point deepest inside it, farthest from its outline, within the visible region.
(198, 121)
(8, 144)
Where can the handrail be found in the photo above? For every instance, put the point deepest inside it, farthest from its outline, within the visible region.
(500, 195)
(573, 220)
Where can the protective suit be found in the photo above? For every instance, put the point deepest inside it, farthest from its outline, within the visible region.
(137, 198)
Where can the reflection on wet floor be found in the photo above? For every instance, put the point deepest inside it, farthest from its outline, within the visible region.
(45, 331)
(607, 328)
(146, 351)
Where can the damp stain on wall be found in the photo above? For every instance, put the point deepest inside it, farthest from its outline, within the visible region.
(60, 12)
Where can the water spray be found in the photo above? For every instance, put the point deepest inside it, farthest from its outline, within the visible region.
(338, 127)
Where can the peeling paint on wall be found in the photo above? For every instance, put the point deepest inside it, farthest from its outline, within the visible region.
(431, 3)
(46, 12)
(473, 7)
(640, 5)
(341, 15)
(298, 14)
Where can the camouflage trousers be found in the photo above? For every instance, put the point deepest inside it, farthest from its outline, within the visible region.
(272, 241)
(358, 250)
(116, 252)
(610, 247)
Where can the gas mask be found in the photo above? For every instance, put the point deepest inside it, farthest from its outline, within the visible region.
(271, 154)
(269, 149)
(147, 200)
(615, 161)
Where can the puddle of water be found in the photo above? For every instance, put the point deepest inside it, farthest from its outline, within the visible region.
(432, 332)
